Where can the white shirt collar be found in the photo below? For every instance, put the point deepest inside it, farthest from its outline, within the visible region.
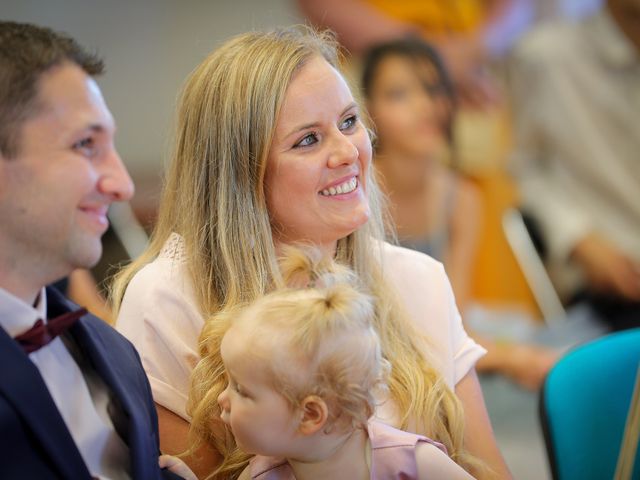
(611, 42)
(17, 316)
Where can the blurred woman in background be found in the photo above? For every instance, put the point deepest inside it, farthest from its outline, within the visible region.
(436, 210)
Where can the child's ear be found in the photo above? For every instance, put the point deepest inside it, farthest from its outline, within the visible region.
(314, 415)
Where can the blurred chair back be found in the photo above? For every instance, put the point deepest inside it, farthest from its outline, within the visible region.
(528, 249)
(584, 405)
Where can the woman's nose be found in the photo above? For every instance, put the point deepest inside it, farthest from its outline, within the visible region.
(343, 151)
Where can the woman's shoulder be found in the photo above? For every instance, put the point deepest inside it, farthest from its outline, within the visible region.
(160, 316)
(420, 284)
(164, 284)
(167, 270)
(423, 290)
(397, 260)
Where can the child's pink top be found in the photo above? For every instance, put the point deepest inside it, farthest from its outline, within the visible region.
(393, 456)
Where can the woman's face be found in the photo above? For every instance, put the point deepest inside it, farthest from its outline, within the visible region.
(316, 174)
(409, 110)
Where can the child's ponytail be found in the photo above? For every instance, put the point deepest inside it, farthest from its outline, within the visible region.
(330, 322)
(334, 298)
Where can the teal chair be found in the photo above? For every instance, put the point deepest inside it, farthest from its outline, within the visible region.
(584, 405)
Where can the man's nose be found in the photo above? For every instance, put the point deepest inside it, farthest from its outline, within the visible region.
(115, 181)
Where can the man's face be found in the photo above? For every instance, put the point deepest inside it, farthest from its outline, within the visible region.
(55, 193)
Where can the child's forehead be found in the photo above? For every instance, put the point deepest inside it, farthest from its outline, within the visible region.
(235, 341)
(238, 355)
(259, 346)
(255, 324)
(249, 342)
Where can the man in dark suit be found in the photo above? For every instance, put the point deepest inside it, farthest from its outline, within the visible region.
(74, 400)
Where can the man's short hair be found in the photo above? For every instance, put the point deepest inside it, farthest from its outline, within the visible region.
(26, 52)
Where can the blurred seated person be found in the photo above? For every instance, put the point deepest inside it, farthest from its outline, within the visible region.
(466, 32)
(576, 99)
(435, 210)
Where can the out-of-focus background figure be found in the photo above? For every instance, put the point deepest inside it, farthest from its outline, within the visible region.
(576, 97)
(434, 209)
(462, 30)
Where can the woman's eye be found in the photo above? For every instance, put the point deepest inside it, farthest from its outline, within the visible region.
(349, 122)
(307, 140)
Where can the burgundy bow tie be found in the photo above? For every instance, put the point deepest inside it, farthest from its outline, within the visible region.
(42, 333)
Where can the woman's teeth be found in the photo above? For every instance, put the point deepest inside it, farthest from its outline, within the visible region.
(346, 187)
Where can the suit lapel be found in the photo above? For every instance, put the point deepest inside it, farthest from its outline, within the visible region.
(91, 344)
(23, 387)
(99, 351)
(114, 367)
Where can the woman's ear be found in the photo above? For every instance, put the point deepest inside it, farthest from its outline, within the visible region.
(314, 415)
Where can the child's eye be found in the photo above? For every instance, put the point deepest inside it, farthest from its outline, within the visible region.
(239, 390)
(307, 140)
(349, 122)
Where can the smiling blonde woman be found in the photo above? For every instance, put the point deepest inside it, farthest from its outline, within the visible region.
(271, 151)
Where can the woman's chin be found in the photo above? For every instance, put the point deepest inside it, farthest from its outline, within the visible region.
(357, 223)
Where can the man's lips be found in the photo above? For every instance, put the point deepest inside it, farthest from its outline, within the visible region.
(98, 213)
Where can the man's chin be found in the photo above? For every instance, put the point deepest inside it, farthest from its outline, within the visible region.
(86, 255)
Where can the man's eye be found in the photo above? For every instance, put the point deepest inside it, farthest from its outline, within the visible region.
(307, 140)
(87, 146)
(84, 143)
(349, 122)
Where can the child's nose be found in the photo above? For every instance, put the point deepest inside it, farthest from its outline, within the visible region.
(223, 401)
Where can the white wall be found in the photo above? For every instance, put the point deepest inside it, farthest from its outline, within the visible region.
(149, 47)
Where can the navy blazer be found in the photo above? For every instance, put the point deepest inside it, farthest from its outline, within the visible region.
(34, 440)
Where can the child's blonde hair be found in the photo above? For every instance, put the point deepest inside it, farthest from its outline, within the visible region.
(319, 339)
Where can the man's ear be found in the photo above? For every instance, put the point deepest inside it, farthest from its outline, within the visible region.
(314, 415)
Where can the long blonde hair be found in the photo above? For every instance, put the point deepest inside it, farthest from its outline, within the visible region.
(214, 198)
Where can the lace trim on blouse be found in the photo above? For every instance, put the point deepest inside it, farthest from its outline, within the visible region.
(174, 249)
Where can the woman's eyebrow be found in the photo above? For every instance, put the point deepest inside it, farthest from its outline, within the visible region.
(317, 124)
(301, 128)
